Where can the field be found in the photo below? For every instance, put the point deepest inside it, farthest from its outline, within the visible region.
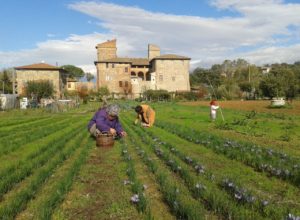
(185, 167)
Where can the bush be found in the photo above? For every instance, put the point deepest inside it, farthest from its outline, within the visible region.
(39, 89)
(190, 96)
(157, 95)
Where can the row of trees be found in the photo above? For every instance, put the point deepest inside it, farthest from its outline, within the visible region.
(238, 79)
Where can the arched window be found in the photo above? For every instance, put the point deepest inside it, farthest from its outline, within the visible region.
(148, 76)
(133, 74)
(141, 75)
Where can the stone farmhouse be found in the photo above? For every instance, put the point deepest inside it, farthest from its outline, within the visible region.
(74, 85)
(38, 72)
(132, 76)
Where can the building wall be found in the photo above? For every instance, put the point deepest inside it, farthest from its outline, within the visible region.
(172, 75)
(107, 50)
(109, 75)
(153, 51)
(71, 86)
(23, 76)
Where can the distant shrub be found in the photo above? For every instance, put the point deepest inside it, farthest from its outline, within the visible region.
(190, 96)
(157, 95)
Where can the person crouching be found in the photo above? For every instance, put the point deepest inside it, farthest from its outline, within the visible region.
(145, 114)
(106, 120)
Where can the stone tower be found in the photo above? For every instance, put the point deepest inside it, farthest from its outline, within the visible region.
(107, 50)
(153, 51)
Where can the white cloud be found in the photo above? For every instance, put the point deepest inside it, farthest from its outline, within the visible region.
(261, 24)
(76, 50)
(258, 34)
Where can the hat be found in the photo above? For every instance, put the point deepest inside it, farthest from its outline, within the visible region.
(113, 110)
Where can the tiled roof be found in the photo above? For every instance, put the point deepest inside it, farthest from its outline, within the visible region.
(38, 66)
(132, 61)
(171, 57)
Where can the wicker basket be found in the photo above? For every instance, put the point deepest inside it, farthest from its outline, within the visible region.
(105, 140)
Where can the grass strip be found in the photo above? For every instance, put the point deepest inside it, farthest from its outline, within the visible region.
(136, 187)
(181, 204)
(214, 199)
(265, 160)
(62, 186)
(17, 202)
(25, 168)
(13, 142)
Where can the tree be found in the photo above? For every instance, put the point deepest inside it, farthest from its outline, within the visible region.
(73, 71)
(206, 76)
(83, 93)
(39, 89)
(281, 81)
(89, 77)
(102, 92)
(6, 81)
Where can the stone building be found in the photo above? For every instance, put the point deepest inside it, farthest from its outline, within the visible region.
(133, 76)
(38, 72)
(74, 85)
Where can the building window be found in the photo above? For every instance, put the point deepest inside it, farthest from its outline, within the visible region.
(161, 78)
(113, 65)
(133, 74)
(148, 76)
(126, 69)
(141, 75)
(69, 85)
(106, 65)
(173, 78)
(126, 84)
(107, 77)
(120, 84)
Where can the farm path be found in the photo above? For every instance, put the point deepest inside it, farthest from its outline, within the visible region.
(98, 191)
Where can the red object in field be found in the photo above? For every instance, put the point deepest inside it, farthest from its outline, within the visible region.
(105, 140)
(213, 102)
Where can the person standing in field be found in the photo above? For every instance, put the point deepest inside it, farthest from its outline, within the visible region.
(145, 114)
(106, 120)
(213, 110)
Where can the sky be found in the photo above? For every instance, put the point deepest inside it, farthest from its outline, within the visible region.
(61, 32)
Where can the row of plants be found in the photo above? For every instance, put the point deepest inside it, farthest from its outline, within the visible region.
(6, 130)
(23, 129)
(201, 183)
(12, 176)
(18, 199)
(174, 193)
(138, 198)
(13, 142)
(28, 152)
(9, 121)
(240, 195)
(57, 192)
(261, 159)
(267, 207)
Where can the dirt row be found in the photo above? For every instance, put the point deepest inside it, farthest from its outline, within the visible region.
(259, 106)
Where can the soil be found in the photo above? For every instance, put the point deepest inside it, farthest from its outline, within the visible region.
(259, 106)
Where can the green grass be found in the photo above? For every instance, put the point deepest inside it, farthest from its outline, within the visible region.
(51, 169)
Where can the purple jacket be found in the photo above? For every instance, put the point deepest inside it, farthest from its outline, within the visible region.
(103, 123)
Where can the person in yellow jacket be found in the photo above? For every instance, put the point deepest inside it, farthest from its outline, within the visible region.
(145, 114)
